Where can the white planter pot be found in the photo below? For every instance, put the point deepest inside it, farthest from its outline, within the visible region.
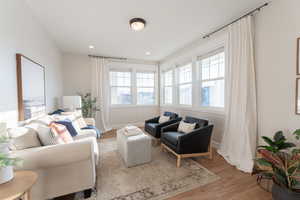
(6, 174)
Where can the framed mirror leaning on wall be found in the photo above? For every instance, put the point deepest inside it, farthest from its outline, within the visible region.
(298, 56)
(298, 96)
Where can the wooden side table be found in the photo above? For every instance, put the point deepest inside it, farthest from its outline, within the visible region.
(19, 186)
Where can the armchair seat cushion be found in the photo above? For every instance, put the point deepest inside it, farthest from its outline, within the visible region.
(171, 137)
(152, 125)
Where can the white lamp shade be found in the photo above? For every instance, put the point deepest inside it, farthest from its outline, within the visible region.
(71, 102)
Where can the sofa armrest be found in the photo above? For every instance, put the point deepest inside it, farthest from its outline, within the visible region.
(169, 128)
(153, 120)
(90, 121)
(56, 155)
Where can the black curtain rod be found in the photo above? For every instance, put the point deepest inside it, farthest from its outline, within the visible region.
(247, 14)
(108, 57)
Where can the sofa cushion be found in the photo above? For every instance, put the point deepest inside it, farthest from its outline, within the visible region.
(61, 133)
(76, 118)
(171, 137)
(44, 120)
(163, 119)
(85, 133)
(23, 138)
(185, 127)
(199, 122)
(69, 125)
(152, 125)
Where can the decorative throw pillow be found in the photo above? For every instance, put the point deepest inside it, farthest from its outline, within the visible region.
(23, 138)
(76, 118)
(46, 136)
(61, 133)
(186, 127)
(69, 125)
(44, 120)
(163, 119)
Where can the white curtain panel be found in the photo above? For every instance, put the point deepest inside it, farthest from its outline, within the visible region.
(240, 137)
(99, 89)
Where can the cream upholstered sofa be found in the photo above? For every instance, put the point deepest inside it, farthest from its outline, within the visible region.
(62, 168)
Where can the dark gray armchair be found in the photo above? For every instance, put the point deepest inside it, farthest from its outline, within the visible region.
(153, 127)
(193, 144)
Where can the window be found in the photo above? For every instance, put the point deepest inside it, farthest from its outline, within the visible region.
(212, 71)
(168, 87)
(185, 84)
(145, 82)
(120, 87)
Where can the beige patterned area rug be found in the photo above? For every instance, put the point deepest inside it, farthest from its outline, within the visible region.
(157, 180)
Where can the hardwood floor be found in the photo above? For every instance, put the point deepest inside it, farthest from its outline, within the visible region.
(233, 184)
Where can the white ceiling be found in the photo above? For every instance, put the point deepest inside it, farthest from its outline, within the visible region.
(171, 24)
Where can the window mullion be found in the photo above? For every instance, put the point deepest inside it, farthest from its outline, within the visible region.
(133, 87)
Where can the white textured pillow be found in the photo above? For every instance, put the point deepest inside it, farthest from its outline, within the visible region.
(23, 138)
(45, 120)
(163, 119)
(46, 136)
(186, 127)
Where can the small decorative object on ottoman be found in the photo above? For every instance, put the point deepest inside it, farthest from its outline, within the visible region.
(134, 146)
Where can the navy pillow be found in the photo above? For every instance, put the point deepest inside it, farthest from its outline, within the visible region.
(68, 124)
(57, 112)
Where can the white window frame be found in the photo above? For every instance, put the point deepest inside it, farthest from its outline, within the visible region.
(135, 69)
(186, 83)
(169, 86)
(154, 87)
(112, 86)
(200, 81)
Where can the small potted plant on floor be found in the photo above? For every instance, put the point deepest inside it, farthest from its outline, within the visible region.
(6, 162)
(282, 165)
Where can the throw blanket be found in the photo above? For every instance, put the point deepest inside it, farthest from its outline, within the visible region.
(132, 130)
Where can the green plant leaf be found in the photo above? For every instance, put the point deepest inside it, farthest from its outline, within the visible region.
(279, 136)
(287, 145)
(295, 151)
(297, 134)
(268, 141)
(263, 162)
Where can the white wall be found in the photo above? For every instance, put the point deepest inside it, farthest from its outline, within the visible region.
(20, 33)
(188, 54)
(77, 73)
(277, 27)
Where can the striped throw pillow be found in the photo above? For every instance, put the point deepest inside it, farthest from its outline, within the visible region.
(61, 133)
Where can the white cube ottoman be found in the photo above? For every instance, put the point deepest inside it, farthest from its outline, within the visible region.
(135, 150)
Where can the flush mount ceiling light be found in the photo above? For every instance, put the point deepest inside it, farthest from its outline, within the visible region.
(91, 47)
(137, 24)
(148, 53)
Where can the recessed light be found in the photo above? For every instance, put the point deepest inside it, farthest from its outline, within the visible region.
(148, 53)
(137, 24)
(91, 47)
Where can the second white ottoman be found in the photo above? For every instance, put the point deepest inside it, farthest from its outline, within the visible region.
(135, 150)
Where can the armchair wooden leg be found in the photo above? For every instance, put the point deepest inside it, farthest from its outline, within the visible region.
(178, 161)
(211, 155)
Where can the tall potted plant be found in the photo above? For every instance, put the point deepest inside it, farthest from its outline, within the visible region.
(6, 162)
(89, 105)
(282, 162)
